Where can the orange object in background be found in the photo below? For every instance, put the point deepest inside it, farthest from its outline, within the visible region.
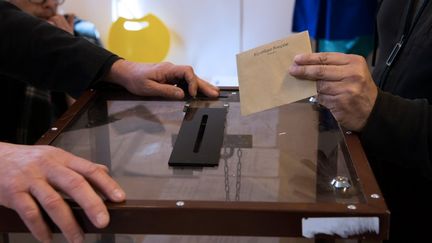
(140, 40)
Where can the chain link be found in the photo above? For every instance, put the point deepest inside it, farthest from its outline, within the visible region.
(227, 154)
(238, 176)
(225, 158)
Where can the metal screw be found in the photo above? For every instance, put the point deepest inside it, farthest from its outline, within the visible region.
(180, 204)
(340, 182)
(348, 132)
(375, 196)
(313, 99)
(352, 207)
(226, 105)
(186, 107)
(54, 128)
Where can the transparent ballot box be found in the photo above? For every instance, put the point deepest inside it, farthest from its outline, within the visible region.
(197, 167)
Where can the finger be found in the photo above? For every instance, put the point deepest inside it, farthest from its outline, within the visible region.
(322, 58)
(332, 88)
(58, 210)
(103, 167)
(70, 19)
(56, 19)
(187, 74)
(328, 101)
(342, 111)
(57, 23)
(318, 72)
(207, 88)
(29, 212)
(80, 190)
(153, 88)
(98, 176)
(196, 83)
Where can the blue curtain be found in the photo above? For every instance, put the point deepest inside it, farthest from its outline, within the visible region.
(338, 25)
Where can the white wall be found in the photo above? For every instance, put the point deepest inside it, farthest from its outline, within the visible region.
(266, 21)
(206, 34)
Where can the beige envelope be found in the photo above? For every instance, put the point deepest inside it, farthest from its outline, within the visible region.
(264, 81)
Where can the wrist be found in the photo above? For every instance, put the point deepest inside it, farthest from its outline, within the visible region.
(371, 102)
(119, 75)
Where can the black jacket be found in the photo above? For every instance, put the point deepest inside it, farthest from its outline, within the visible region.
(397, 137)
(34, 52)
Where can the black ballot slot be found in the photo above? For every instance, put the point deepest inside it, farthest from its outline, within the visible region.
(200, 138)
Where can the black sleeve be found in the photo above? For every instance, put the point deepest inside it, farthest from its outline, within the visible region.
(399, 131)
(35, 52)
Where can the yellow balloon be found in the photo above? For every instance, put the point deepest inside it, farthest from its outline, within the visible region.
(140, 40)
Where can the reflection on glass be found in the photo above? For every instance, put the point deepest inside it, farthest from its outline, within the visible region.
(287, 154)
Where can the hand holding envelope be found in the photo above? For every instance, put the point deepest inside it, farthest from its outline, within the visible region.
(263, 74)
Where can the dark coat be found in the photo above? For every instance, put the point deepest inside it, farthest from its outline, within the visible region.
(36, 53)
(398, 135)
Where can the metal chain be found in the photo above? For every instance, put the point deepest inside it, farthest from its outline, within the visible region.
(238, 176)
(227, 154)
(227, 187)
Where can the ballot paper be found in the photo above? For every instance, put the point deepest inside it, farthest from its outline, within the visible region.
(264, 81)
